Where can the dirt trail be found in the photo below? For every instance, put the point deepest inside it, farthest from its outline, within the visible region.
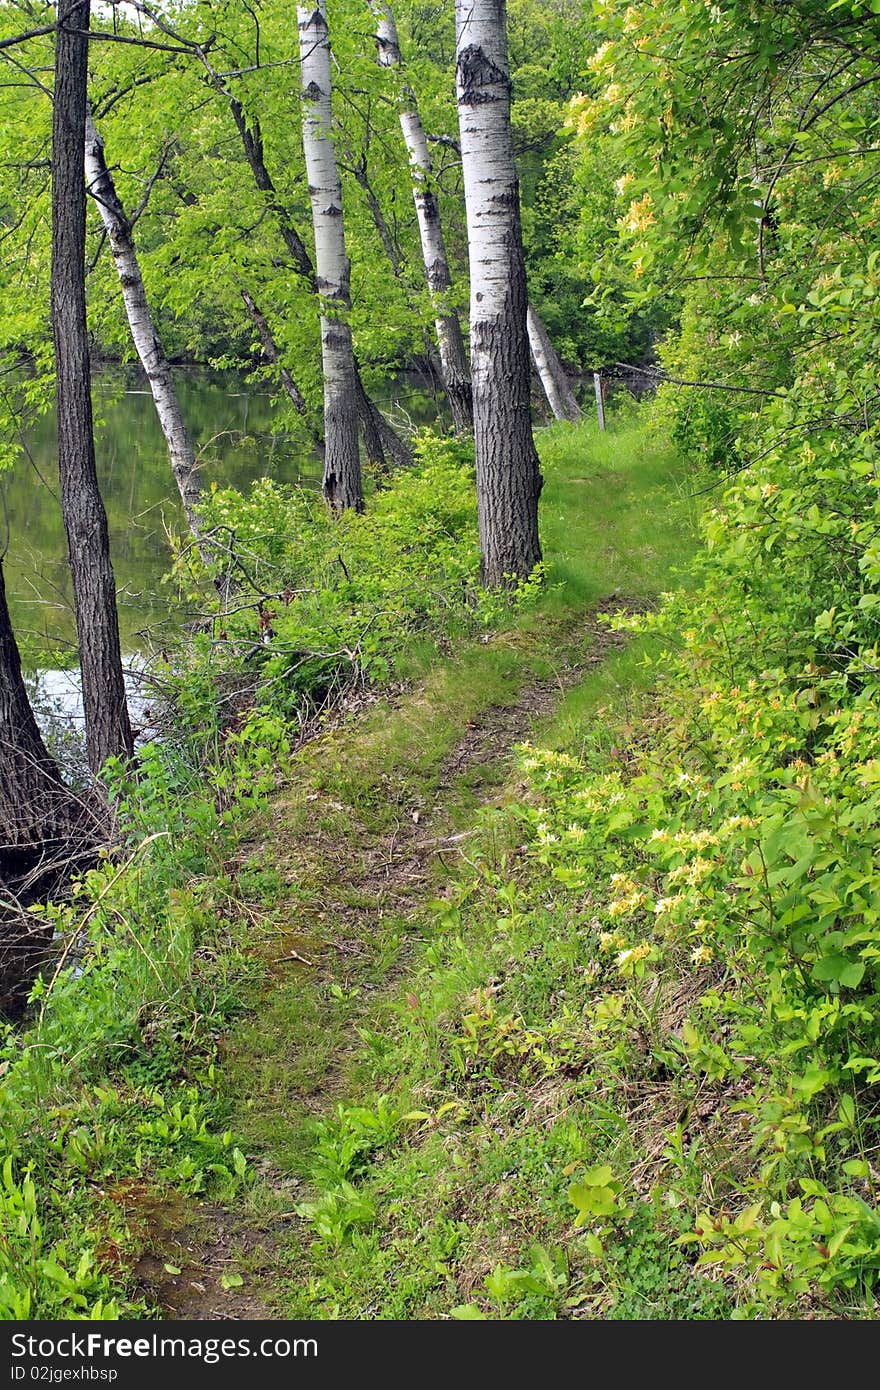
(388, 875)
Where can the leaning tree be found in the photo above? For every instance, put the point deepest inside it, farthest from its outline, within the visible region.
(447, 326)
(144, 334)
(47, 832)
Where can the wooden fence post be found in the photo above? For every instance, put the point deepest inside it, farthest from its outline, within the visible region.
(600, 404)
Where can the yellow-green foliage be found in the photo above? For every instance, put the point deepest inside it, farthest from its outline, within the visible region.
(654, 1035)
(322, 600)
(742, 842)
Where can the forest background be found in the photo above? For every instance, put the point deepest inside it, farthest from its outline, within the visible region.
(639, 1075)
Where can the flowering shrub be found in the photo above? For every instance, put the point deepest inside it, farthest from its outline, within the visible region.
(733, 856)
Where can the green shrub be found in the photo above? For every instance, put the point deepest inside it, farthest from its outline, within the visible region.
(321, 602)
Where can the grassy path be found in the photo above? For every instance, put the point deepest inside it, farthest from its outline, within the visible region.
(378, 822)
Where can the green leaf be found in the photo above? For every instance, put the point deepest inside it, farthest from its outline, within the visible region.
(839, 969)
(591, 1201)
(598, 1177)
(847, 1110)
(857, 1168)
(468, 1312)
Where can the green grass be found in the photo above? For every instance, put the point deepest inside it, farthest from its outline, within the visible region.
(617, 512)
(254, 967)
(616, 517)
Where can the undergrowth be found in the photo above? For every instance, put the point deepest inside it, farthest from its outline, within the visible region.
(111, 1093)
(635, 1074)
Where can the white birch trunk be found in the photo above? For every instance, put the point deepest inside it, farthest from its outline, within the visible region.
(143, 333)
(342, 467)
(508, 474)
(381, 443)
(560, 396)
(450, 341)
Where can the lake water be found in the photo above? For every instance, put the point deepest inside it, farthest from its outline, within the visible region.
(242, 434)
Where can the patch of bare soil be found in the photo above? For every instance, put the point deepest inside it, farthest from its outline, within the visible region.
(185, 1281)
(387, 875)
(503, 726)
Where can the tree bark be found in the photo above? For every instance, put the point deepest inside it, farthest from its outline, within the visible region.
(373, 423)
(450, 340)
(560, 396)
(384, 446)
(272, 355)
(508, 473)
(46, 831)
(252, 144)
(359, 170)
(108, 730)
(147, 342)
(343, 487)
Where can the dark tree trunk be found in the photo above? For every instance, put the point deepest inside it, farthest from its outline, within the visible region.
(508, 473)
(382, 444)
(108, 731)
(272, 355)
(251, 138)
(46, 832)
(389, 245)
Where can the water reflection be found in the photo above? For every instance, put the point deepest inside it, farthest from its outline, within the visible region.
(242, 435)
(57, 701)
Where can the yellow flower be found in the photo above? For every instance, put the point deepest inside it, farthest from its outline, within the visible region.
(631, 117)
(600, 58)
(640, 215)
(627, 959)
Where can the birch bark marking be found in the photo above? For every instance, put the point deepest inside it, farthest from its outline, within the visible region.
(108, 730)
(450, 341)
(508, 474)
(146, 340)
(379, 438)
(560, 396)
(343, 487)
